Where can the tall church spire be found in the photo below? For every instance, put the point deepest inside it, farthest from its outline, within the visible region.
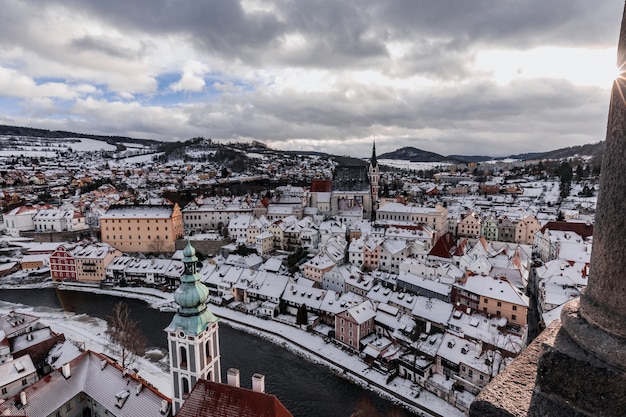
(193, 337)
(374, 177)
(373, 161)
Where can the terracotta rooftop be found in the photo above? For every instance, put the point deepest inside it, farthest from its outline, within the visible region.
(444, 247)
(583, 229)
(211, 399)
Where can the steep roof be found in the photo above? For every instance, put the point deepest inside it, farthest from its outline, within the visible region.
(444, 247)
(212, 399)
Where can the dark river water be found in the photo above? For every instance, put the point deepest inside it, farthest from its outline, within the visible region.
(305, 388)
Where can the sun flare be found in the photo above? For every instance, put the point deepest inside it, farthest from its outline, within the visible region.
(591, 67)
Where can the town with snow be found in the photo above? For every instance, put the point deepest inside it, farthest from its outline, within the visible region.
(427, 278)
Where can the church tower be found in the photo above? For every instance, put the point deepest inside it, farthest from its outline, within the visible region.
(192, 336)
(374, 176)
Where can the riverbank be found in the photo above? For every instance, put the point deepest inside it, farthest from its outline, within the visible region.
(307, 345)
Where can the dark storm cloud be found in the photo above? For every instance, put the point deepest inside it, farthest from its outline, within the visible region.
(434, 94)
(490, 115)
(344, 32)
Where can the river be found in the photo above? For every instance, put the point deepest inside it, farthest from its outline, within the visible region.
(307, 389)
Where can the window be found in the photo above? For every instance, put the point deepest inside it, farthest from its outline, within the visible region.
(24, 381)
(499, 304)
(4, 390)
(486, 301)
(498, 313)
(513, 317)
(514, 308)
(185, 388)
(183, 357)
(481, 377)
(470, 373)
(68, 406)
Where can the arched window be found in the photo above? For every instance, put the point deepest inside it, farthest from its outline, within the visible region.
(185, 387)
(207, 350)
(183, 357)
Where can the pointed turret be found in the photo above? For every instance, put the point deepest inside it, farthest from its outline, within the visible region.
(373, 161)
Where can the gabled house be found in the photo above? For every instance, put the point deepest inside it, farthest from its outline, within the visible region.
(493, 297)
(355, 323)
(470, 226)
(315, 268)
(63, 264)
(392, 253)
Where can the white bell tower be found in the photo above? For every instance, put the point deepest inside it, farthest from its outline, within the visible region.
(193, 337)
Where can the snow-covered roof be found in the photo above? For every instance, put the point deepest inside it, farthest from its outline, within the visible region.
(139, 211)
(334, 303)
(302, 294)
(433, 310)
(494, 288)
(362, 312)
(99, 378)
(16, 369)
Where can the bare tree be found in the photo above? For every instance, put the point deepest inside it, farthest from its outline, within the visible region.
(157, 246)
(125, 335)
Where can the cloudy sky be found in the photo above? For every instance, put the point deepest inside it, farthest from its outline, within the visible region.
(491, 77)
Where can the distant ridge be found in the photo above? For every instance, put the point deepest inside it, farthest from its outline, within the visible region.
(594, 150)
(59, 134)
(412, 154)
(407, 153)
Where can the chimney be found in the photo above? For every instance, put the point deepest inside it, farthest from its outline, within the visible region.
(233, 377)
(23, 399)
(258, 383)
(65, 369)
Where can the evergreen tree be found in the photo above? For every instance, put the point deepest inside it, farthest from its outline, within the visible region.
(301, 316)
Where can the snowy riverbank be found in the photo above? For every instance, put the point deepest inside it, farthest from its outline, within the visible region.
(153, 367)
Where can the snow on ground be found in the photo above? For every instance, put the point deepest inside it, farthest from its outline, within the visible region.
(86, 145)
(402, 164)
(154, 367)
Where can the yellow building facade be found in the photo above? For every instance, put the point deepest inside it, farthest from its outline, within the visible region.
(143, 228)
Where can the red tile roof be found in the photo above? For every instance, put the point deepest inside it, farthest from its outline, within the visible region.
(444, 248)
(582, 229)
(211, 399)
